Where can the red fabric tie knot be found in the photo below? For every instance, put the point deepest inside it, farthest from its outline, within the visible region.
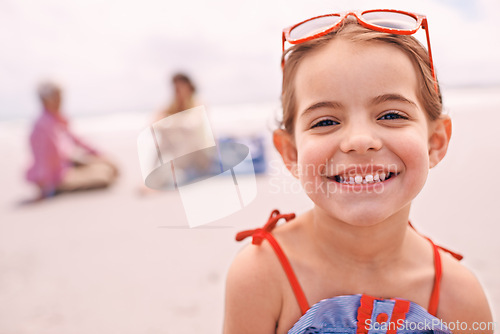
(259, 234)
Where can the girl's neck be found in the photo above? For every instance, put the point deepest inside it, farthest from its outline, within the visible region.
(369, 247)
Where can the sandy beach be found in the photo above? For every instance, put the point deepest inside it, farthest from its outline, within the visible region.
(116, 261)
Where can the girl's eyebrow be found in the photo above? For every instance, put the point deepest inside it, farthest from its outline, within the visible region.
(323, 104)
(392, 97)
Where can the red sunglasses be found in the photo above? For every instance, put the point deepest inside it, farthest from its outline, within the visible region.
(389, 21)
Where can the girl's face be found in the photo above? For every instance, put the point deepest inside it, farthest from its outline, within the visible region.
(363, 144)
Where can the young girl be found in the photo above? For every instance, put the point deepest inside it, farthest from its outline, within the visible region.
(362, 126)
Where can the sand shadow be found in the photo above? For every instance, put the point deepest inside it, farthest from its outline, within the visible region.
(38, 200)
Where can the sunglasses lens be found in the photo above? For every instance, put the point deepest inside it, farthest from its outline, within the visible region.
(391, 20)
(312, 27)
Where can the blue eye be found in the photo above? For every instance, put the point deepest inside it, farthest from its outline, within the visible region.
(324, 122)
(392, 115)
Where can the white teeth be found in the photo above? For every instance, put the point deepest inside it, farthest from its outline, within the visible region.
(359, 179)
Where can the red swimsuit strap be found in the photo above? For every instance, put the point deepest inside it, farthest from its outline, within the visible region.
(259, 234)
(438, 273)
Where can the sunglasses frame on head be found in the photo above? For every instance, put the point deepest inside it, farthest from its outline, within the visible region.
(420, 22)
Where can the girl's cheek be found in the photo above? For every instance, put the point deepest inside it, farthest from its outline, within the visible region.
(414, 152)
(312, 158)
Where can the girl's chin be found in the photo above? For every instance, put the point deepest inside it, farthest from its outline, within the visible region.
(360, 217)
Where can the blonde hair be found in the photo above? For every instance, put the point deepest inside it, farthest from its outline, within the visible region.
(430, 98)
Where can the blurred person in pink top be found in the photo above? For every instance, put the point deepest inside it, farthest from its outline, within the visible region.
(61, 161)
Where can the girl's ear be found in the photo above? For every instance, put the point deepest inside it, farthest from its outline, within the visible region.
(439, 140)
(284, 143)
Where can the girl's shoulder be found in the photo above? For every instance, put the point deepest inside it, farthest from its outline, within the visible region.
(253, 291)
(462, 297)
(257, 266)
(257, 288)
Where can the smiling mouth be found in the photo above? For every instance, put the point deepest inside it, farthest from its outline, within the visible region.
(363, 179)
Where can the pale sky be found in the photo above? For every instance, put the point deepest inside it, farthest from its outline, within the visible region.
(114, 56)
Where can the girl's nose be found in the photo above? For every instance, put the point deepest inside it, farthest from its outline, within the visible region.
(360, 139)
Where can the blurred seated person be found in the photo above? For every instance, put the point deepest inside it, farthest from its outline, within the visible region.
(176, 136)
(62, 162)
